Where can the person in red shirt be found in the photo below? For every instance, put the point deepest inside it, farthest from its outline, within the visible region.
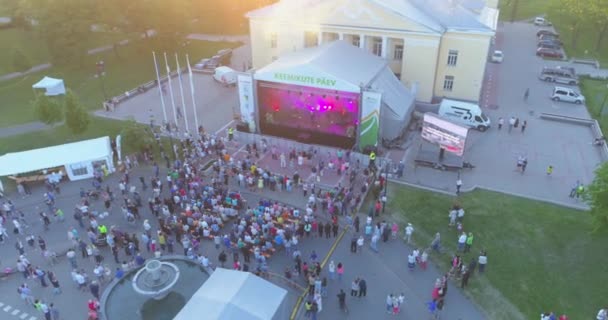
(563, 317)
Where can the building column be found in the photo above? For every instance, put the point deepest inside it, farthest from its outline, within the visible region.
(384, 47)
(362, 41)
(320, 38)
(340, 36)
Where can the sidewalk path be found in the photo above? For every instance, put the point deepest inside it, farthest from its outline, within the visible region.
(25, 128)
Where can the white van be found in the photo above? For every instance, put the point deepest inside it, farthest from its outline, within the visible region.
(225, 76)
(464, 113)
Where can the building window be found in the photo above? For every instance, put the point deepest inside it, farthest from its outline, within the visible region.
(311, 39)
(275, 58)
(357, 41)
(448, 83)
(79, 169)
(273, 41)
(398, 54)
(452, 57)
(377, 49)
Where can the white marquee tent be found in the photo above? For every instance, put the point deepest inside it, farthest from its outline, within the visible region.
(231, 294)
(53, 87)
(353, 70)
(78, 158)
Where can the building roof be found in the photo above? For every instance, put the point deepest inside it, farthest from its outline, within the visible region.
(336, 60)
(436, 16)
(55, 156)
(230, 294)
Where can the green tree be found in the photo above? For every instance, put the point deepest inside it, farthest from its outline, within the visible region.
(47, 109)
(576, 12)
(596, 195)
(21, 61)
(76, 117)
(599, 17)
(136, 137)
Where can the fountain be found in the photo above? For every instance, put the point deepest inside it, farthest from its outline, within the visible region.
(156, 279)
(156, 291)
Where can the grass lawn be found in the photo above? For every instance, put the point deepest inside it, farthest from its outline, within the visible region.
(132, 67)
(60, 135)
(33, 46)
(541, 257)
(587, 37)
(595, 92)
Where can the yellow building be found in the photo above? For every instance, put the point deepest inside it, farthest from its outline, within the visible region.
(438, 46)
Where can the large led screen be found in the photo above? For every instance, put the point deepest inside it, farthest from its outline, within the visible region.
(307, 114)
(447, 135)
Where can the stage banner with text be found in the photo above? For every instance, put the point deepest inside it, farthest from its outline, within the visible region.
(246, 100)
(370, 119)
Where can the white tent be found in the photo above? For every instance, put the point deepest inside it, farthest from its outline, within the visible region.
(53, 87)
(342, 66)
(230, 294)
(78, 158)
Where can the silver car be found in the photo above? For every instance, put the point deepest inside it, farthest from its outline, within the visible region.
(567, 95)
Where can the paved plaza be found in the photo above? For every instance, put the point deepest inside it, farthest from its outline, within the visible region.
(565, 146)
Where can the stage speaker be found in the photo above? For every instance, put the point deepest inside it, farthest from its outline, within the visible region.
(242, 127)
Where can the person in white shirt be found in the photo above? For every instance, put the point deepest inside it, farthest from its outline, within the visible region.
(602, 314)
(360, 243)
(408, 232)
(482, 261)
(461, 241)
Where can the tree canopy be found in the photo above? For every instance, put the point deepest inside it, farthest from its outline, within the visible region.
(76, 117)
(136, 137)
(596, 195)
(47, 109)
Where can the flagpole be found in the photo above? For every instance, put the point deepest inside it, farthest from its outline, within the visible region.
(160, 88)
(171, 90)
(181, 89)
(192, 92)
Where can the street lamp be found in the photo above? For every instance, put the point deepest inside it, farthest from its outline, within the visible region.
(100, 67)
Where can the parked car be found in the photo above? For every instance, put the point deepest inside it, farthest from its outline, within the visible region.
(566, 75)
(548, 37)
(567, 95)
(549, 45)
(549, 53)
(497, 56)
(540, 21)
(547, 32)
(225, 76)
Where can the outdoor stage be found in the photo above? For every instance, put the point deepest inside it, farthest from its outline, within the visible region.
(308, 115)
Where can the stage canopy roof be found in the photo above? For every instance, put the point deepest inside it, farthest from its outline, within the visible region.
(55, 156)
(230, 294)
(53, 86)
(336, 65)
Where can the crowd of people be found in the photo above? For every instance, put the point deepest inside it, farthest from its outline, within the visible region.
(204, 197)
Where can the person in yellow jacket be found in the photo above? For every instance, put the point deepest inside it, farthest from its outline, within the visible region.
(230, 133)
(372, 159)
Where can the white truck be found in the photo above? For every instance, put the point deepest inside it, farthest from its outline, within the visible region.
(464, 113)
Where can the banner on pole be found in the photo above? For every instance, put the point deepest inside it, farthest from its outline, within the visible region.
(247, 107)
(370, 119)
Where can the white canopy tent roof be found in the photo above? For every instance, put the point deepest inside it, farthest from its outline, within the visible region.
(53, 87)
(350, 67)
(55, 156)
(231, 294)
(352, 70)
